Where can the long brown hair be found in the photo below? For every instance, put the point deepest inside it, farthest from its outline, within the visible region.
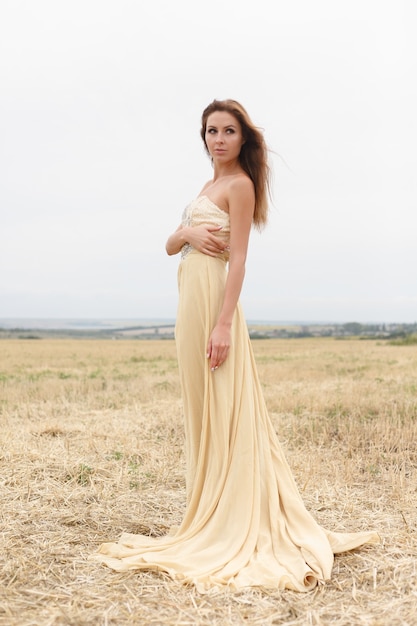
(253, 155)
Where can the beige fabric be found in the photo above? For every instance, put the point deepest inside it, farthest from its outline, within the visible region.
(245, 523)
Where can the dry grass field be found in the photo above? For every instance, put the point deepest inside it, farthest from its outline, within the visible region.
(91, 444)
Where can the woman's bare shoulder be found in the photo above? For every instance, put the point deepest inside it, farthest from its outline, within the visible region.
(241, 184)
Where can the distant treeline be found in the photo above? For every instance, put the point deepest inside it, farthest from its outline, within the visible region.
(394, 333)
(400, 333)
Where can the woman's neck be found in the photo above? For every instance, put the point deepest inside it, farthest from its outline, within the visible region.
(226, 169)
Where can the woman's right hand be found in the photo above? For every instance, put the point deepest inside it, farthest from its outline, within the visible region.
(203, 239)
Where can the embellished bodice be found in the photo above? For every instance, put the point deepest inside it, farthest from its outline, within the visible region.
(203, 211)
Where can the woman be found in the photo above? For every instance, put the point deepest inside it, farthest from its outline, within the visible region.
(245, 523)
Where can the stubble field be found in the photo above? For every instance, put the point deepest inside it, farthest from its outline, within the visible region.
(91, 445)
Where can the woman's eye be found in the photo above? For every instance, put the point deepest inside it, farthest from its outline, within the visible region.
(230, 131)
(211, 131)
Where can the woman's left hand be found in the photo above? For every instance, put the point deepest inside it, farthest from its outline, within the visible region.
(218, 345)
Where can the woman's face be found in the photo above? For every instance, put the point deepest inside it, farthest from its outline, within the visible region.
(223, 136)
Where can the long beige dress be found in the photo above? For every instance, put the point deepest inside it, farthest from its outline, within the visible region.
(245, 523)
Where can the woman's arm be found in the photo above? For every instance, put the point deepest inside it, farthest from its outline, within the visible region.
(200, 237)
(176, 241)
(241, 209)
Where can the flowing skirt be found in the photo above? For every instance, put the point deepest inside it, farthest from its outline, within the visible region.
(245, 523)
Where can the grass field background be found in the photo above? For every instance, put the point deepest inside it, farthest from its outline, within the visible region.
(91, 445)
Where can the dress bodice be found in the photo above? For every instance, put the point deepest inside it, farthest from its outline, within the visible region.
(203, 211)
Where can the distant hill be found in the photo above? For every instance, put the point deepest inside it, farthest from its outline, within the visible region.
(164, 329)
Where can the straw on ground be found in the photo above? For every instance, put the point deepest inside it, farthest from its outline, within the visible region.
(92, 445)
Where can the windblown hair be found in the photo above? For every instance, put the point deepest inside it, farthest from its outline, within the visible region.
(253, 155)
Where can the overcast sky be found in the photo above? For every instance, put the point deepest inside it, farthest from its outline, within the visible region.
(100, 151)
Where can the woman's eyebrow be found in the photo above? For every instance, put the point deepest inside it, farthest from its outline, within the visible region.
(227, 126)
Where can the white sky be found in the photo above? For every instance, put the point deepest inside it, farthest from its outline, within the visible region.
(100, 105)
